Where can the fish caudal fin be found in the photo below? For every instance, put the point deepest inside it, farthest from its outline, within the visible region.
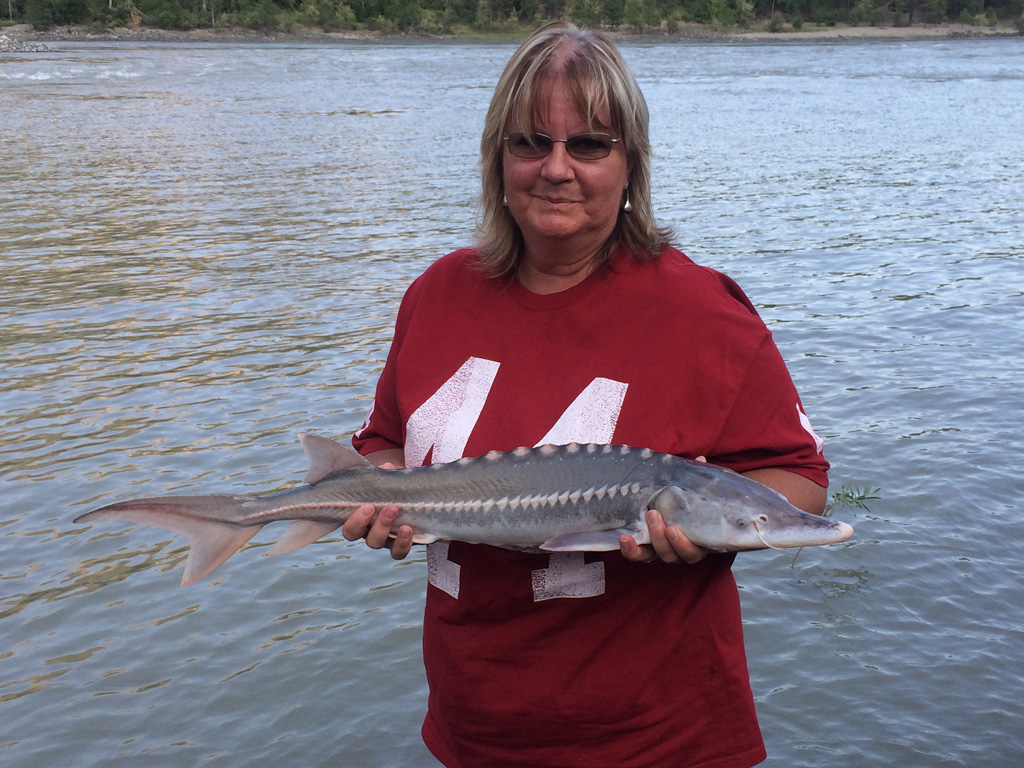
(211, 542)
(211, 546)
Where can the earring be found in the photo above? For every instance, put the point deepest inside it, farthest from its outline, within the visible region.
(504, 201)
(627, 206)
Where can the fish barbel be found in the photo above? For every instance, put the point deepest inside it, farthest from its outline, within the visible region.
(552, 498)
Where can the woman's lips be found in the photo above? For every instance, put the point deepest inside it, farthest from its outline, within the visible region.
(556, 201)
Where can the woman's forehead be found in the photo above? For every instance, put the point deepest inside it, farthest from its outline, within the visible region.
(536, 108)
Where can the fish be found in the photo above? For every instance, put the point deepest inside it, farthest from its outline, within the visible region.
(552, 498)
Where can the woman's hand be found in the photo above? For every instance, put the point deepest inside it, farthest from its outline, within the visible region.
(367, 523)
(668, 543)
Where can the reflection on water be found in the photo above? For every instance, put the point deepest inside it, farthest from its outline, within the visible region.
(835, 584)
(203, 249)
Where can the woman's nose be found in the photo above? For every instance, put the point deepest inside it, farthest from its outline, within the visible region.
(558, 163)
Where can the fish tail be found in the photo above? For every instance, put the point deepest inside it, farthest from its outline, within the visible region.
(201, 519)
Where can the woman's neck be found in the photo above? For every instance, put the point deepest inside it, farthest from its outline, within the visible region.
(551, 275)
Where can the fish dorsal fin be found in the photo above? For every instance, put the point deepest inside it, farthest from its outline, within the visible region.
(327, 457)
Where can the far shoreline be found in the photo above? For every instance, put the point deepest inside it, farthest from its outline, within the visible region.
(687, 33)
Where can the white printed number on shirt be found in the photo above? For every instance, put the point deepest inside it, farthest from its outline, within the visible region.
(819, 444)
(447, 418)
(568, 575)
(445, 422)
(442, 572)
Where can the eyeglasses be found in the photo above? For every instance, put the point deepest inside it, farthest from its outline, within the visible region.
(582, 146)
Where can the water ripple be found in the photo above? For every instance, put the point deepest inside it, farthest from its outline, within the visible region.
(203, 250)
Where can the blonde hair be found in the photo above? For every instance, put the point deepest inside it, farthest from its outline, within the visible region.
(599, 79)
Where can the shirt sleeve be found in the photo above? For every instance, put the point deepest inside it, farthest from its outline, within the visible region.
(383, 427)
(766, 426)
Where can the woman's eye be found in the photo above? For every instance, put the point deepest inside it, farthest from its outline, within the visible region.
(589, 144)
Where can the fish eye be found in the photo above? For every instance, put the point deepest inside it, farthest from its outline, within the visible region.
(740, 523)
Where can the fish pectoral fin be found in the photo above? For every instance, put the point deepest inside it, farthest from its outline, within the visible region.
(668, 500)
(590, 541)
(327, 457)
(423, 538)
(300, 533)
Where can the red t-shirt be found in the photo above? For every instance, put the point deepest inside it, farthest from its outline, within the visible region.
(584, 659)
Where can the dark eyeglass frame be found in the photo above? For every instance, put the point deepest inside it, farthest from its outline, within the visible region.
(534, 146)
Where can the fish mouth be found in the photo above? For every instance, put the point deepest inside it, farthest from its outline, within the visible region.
(757, 530)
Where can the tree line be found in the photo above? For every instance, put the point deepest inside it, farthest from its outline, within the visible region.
(502, 16)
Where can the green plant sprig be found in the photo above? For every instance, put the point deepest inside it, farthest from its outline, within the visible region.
(846, 496)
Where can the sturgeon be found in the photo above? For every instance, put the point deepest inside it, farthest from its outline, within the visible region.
(552, 498)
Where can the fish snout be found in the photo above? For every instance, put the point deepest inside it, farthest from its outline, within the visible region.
(807, 531)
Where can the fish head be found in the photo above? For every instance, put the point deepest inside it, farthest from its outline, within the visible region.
(731, 512)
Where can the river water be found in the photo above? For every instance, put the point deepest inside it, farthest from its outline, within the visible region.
(202, 250)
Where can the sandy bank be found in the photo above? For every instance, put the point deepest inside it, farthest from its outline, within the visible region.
(23, 33)
(917, 32)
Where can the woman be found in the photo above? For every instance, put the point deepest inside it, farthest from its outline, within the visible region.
(574, 320)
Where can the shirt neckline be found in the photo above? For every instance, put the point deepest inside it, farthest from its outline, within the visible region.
(540, 302)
